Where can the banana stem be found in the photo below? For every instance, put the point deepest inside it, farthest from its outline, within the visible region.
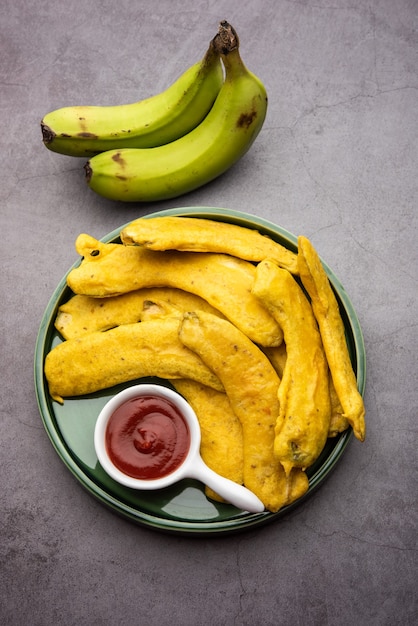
(226, 42)
(226, 39)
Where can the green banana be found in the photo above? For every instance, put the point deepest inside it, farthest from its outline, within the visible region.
(223, 137)
(88, 130)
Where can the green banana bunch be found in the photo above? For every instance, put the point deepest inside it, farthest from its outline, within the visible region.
(84, 131)
(223, 137)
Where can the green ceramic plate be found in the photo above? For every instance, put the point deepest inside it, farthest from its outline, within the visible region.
(183, 508)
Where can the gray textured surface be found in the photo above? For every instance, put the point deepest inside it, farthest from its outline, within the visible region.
(337, 161)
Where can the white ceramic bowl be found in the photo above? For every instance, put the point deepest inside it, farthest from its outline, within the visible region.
(192, 466)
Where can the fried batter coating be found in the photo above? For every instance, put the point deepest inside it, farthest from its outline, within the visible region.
(327, 313)
(223, 281)
(305, 410)
(222, 443)
(102, 359)
(81, 315)
(205, 235)
(338, 423)
(251, 385)
(277, 357)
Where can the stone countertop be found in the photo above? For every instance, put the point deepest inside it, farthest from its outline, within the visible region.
(336, 161)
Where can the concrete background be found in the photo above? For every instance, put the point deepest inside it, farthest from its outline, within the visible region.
(336, 161)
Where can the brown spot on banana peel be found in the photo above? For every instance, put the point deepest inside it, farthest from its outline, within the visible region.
(85, 135)
(48, 135)
(122, 164)
(246, 119)
(117, 157)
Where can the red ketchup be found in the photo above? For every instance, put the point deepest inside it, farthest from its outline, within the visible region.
(147, 437)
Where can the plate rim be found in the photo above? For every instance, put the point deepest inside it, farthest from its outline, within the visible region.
(185, 527)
